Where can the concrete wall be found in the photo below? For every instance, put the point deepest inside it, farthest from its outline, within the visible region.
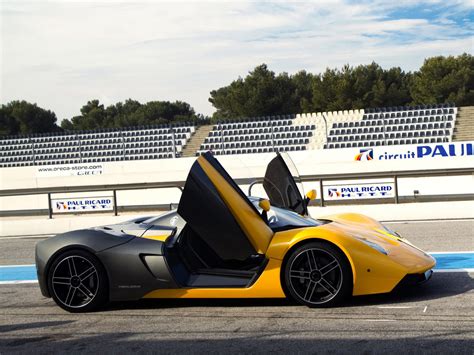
(314, 162)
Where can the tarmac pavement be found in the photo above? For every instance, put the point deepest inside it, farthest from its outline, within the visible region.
(436, 317)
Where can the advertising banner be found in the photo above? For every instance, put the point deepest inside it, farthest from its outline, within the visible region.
(412, 152)
(82, 204)
(69, 170)
(359, 191)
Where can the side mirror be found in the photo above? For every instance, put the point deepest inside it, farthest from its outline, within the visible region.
(264, 204)
(311, 195)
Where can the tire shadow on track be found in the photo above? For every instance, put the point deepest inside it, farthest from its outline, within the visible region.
(34, 325)
(441, 285)
(201, 302)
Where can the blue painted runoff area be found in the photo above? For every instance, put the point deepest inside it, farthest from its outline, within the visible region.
(17, 273)
(444, 261)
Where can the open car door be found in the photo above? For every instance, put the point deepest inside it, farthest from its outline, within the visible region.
(217, 210)
(280, 185)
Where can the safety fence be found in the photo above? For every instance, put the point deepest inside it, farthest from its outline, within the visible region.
(379, 187)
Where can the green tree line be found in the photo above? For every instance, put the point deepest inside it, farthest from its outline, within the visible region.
(130, 113)
(264, 93)
(21, 117)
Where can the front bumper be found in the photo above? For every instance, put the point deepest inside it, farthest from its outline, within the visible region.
(416, 279)
(40, 263)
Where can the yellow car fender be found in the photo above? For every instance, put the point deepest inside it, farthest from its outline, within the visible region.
(372, 271)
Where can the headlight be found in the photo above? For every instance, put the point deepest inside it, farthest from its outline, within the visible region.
(373, 246)
(392, 232)
(387, 231)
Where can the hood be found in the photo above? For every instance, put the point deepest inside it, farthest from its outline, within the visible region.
(354, 219)
(135, 227)
(368, 231)
(359, 226)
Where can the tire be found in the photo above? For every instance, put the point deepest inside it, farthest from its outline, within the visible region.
(318, 274)
(77, 281)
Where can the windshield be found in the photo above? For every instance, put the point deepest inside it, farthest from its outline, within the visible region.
(282, 219)
(278, 219)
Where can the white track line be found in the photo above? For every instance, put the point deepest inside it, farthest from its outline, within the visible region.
(451, 252)
(454, 270)
(468, 219)
(29, 265)
(18, 282)
(28, 237)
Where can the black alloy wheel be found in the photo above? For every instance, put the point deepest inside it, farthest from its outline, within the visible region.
(77, 281)
(318, 274)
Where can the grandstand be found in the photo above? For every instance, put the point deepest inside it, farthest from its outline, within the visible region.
(105, 145)
(258, 135)
(322, 130)
(339, 129)
(395, 126)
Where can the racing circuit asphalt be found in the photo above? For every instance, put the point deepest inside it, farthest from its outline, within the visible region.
(436, 317)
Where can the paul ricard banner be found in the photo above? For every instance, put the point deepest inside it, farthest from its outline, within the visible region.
(358, 190)
(82, 204)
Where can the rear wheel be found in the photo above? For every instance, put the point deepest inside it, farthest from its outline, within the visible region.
(317, 274)
(77, 281)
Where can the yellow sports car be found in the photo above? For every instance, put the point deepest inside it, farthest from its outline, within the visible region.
(222, 244)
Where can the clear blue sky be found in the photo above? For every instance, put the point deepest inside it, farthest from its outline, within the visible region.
(60, 54)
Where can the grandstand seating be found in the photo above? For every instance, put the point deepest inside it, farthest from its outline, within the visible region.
(257, 135)
(328, 130)
(395, 126)
(150, 142)
(324, 121)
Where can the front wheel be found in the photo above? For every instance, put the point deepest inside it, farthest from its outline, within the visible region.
(317, 274)
(77, 281)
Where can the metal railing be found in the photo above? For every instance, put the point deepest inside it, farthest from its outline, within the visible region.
(320, 179)
(395, 175)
